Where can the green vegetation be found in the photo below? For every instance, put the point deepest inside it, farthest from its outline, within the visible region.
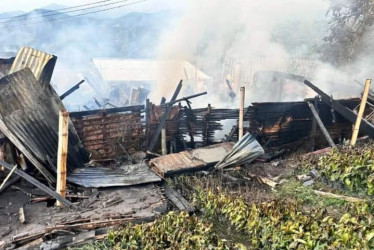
(293, 217)
(171, 231)
(294, 190)
(352, 167)
(284, 224)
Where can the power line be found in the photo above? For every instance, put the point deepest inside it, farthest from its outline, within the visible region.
(67, 17)
(61, 13)
(67, 8)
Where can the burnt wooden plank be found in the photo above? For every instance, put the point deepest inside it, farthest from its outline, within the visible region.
(38, 184)
(177, 199)
(156, 135)
(80, 114)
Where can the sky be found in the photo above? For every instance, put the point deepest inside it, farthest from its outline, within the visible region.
(28, 5)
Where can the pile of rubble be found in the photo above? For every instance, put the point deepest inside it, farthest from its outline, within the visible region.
(116, 159)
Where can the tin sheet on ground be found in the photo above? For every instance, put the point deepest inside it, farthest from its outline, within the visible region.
(126, 175)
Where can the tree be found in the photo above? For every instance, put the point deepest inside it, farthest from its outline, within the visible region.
(349, 20)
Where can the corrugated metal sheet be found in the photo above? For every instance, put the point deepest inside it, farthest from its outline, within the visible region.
(40, 63)
(29, 118)
(190, 160)
(106, 177)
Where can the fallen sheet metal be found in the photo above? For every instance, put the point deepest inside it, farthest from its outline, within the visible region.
(29, 118)
(190, 160)
(244, 151)
(127, 175)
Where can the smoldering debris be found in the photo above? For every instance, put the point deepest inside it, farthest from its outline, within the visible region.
(135, 131)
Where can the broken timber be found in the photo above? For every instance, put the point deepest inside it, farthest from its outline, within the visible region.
(321, 126)
(164, 117)
(178, 200)
(182, 99)
(348, 114)
(38, 184)
(71, 90)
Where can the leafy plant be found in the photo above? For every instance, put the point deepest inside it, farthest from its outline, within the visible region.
(352, 167)
(171, 231)
(283, 224)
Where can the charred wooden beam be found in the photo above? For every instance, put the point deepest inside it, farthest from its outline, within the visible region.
(147, 122)
(177, 199)
(183, 99)
(321, 125)
(80, 114)
(71, 90)
(164, 117)
(314, 127)
(348, 114)
(38, 184)
(10, 183)
(163, 100)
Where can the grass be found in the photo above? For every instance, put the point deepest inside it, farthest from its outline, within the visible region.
(294, 190)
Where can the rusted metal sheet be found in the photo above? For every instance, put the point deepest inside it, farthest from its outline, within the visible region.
(29, 118)
(190, 160)
(126, 175)
(40, 63)
(107, 136)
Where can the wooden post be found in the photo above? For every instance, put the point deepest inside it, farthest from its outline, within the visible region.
(163, 100)
(321, 125)
(165, 116)
(147, 122)
(63, 136)
(163, 141)
(361, 111)
(206, 132)
(314, 127)
(241, 112)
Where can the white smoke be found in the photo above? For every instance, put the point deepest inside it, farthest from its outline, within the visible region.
(275, 30)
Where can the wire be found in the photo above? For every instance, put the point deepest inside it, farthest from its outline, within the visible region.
(67, 8)
(67, 17)
(61, 13)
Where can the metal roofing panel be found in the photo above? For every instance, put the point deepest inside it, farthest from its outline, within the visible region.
(190, 160)
(29, 118)
(40, 63)
(127, 175)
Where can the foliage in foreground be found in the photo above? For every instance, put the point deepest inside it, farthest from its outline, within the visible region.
(171, 231)
(282, 225)
(352, 167)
